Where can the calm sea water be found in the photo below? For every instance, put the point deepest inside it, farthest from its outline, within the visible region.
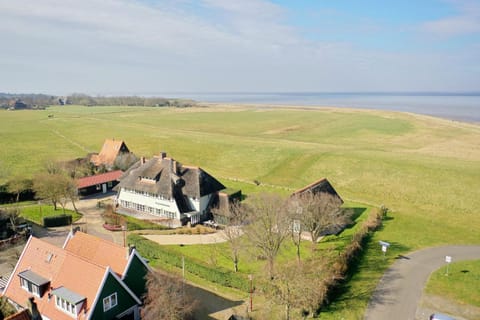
(455, 106)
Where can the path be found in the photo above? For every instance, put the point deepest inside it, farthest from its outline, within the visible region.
(399, 291)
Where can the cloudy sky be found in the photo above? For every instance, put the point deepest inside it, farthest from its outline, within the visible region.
(156, 46)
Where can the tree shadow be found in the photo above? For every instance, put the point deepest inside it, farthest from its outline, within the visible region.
(210, 303)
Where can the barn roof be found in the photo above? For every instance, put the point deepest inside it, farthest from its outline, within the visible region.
(98, 179)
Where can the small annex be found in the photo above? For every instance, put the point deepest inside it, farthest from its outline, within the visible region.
(99, 183)
(166, 190)
(88, 278)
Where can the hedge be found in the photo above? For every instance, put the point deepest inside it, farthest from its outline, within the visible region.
(151, 250)
(57, 221)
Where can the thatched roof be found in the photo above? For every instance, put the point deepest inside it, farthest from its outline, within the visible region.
(322, 185)
(166, 177)
(110, 150)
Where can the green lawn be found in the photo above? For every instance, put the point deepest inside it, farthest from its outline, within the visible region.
(425, 170)
(462, 284)
(36, 213)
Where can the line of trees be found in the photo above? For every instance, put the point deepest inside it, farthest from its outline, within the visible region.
(37, 101)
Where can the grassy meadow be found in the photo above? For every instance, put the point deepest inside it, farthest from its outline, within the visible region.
(426, 170)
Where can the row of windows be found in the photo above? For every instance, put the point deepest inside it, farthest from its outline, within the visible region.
(148, 194)
(30, 287)
(143, 208)
(66, 306)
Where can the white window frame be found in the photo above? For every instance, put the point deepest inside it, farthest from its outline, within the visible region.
(110, 302)
(27, 285)
(65, 306)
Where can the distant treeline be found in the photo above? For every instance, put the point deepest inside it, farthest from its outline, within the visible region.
(40, 101)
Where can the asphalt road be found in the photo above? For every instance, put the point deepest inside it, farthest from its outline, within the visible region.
(399, 291)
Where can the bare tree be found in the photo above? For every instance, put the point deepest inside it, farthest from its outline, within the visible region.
(233, 231)
(17, 185)
(166, 298)
(319, 213)
(303, 286)
(46, 186)
(296, 226)
(268, 226)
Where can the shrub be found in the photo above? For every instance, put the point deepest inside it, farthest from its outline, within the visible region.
(57, 221)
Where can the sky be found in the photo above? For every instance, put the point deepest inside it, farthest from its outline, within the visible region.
(152, 47)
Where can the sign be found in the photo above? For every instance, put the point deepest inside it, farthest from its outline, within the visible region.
(448, 259)
(384, 244)
(384, 248)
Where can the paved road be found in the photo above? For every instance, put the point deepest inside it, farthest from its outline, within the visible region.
(399, 291)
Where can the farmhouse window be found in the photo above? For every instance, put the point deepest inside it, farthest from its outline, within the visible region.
(109, 302)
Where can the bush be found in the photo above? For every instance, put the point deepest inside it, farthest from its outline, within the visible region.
(57, 221)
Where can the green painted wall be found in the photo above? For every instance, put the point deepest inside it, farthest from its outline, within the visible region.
(135, 277)
(124, 299)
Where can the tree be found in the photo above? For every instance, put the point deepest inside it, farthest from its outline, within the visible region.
(303, 286)
(232, 232)
(166, 298)
(6, 309)
(46, 186)
(56, 185)
(17, 185)
(296, 226)
(268, 226)
(319, 213)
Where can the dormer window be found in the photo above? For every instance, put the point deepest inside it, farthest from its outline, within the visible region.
(68, 301)
(33, 283)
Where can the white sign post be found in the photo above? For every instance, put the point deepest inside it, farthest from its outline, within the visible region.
(448, 260)
(385, 246)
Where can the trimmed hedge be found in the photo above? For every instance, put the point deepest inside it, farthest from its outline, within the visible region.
(57, 221)
(151, 250)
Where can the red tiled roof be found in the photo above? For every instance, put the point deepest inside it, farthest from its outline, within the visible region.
(98, 179)
(98, 251)
(62, 269)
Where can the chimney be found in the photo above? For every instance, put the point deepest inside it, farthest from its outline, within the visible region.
(129, 251)
(163, 154)
(142, 160)
(32, 307)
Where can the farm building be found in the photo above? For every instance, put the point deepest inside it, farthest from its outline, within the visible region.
(322, 185)
(100, 183)
(114, 153)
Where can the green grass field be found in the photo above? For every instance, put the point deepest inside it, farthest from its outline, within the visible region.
(461, 285)
(36, 213)
(426, 170)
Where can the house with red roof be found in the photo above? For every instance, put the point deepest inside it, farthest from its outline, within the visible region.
(99, 183)
(88, 278)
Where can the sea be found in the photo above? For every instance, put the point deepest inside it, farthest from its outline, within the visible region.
(454, 106)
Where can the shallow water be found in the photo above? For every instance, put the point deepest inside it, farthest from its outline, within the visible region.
(455, 106)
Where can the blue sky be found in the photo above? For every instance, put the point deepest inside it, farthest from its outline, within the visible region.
(155, 47)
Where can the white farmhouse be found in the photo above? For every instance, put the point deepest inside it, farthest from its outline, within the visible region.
(166, 189)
